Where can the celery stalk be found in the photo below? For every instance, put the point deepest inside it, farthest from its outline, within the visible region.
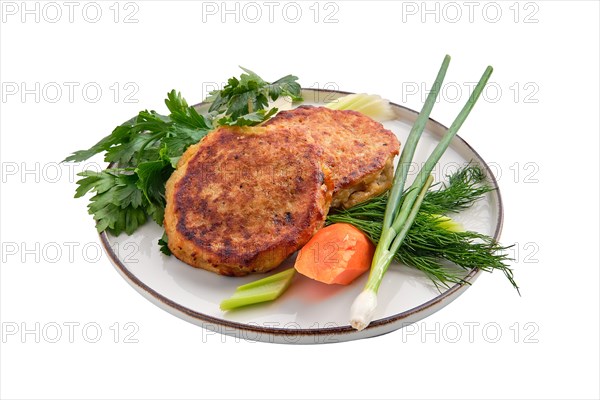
(259, 291)
(371, 105)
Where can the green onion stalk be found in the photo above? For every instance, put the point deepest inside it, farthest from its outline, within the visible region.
(401, 210)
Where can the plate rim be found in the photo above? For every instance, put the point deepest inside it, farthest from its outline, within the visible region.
(337, 330)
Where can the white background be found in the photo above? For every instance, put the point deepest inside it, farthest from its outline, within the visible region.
(545, 118)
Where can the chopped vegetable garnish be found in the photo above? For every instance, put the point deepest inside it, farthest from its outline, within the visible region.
(259, 291)
(371, 105)
(338, 253)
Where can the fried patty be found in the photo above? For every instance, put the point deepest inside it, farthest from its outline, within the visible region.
(244, 199)
(358, 150)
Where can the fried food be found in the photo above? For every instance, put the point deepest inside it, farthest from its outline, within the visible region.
(244, 199)
(358, 150)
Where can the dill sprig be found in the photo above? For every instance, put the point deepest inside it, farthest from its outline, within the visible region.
(442, 254)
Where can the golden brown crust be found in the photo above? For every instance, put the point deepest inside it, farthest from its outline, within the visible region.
(359, 150)
(244, 199)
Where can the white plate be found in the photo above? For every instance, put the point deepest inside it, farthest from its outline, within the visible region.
(309, 312)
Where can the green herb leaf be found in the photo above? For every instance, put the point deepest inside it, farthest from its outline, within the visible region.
(118, 135)
(152, 176)
(249, 119)
(286, 86)
(243, 101)
(163, 242)
(118, 203)
(146, 150)
(183, 114)
(429, 245)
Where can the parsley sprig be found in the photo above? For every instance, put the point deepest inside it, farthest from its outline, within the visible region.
(143, 152)
(244, 101)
